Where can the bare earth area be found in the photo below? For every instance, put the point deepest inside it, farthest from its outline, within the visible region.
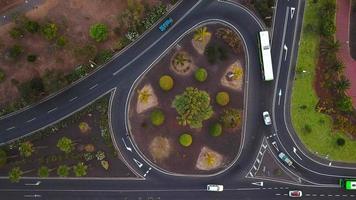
(73, 18)
(160, 144)
(8, 4)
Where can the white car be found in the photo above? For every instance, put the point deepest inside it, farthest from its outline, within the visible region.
(267, 118)
(214, 188)
(285, 158)
(295, 193)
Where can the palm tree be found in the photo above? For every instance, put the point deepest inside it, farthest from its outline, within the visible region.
(15, 174)
(180, 59)
(26, 149)
(329, 47)
(80, 169)
(342, 85)
(144, 95)
(43, 171)
(337, 66)
(63, 171)
(65, 144)
(200, 34)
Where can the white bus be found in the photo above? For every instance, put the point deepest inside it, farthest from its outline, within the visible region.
(265, 56)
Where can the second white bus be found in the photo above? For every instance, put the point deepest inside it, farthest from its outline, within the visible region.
(265, 56)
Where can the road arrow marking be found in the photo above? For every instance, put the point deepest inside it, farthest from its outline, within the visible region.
(295, 151)
(292, 10)
(258, 183)
(31, 195)
(279, 96)
(285, 48)
(37, 183)
(128, 148)
(329, 163)
(139, 164)
(274, 143)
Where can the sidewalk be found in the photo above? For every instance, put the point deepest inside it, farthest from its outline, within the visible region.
(342, 34)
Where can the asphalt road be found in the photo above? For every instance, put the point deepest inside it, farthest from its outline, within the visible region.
(121, 73)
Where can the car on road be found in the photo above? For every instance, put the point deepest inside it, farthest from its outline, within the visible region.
(267, 118)
(166, 24)
(285, 158)
(214, 188)
(295, 193)
(348, 184)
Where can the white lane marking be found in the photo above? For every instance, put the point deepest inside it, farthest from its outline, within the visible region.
(139, 164)
(28, 121)
(72, 99)
(49, 111)
(94, 86)
(278, 194)
(12, 127)
(330, 195)
(307, 195)
(321, 195)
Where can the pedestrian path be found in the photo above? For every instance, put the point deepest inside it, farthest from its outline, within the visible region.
(342, 34)
(27, 5)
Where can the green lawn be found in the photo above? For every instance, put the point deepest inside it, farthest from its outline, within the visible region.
(320, 138)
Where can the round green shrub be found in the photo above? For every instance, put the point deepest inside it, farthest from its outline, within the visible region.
(222, 98)
(215, 129)
(201, 74)
(157, 117)
(340, 141)
(3, 157)
(185, 139)
(166, 82)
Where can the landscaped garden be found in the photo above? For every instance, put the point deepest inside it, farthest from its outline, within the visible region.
(59, 42)
(78, 146)
(185, 114)
(322, 114)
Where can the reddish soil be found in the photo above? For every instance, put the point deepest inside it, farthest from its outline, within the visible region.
(342, 34)
(182, 159)
(46, 148)
(74, 18)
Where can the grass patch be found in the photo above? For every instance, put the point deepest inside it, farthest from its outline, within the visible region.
(314, 128)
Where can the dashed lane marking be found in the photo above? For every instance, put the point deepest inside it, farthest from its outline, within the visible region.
(28, 121)
(49, 111)
(72, 99)
(94, 86)
(12, 127)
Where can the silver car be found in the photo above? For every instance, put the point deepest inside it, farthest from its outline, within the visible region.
(285, 158)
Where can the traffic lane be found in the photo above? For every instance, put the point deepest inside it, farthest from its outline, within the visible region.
(9, 123)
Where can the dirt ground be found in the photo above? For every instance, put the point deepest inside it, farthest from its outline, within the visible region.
(183, 160)
(74, 18)
(46, 149)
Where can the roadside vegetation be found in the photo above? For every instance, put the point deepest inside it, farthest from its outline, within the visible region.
(78, 146)
(322, 114)
(55, 36)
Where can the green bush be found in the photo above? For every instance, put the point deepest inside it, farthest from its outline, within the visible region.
(99, 32)
(157, 117)
(201, 74)
(2, 75)
(17, 33)
(230, 118)
(31, 58)
(340, 141)
(31, 26)
(215, 129)
(49, 31)
(15, 51)
(103, 56)
(61, 41)
(222, 98)
(344, 104)
(166, 82)
(185, 139)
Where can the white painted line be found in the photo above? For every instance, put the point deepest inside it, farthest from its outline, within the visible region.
(52, 110)
(307, 195)
(251, 174)
(28, 121)
(278, 194)
(321, 195)
(72, 99)
(94, 86)
(258, 160)
(330, 195)
(12, 127)
(32, 196)
(254, 167)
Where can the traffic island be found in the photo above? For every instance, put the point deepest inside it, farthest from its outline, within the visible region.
(194, 104)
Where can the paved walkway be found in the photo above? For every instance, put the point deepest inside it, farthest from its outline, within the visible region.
(27, 5)
(342, 34)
